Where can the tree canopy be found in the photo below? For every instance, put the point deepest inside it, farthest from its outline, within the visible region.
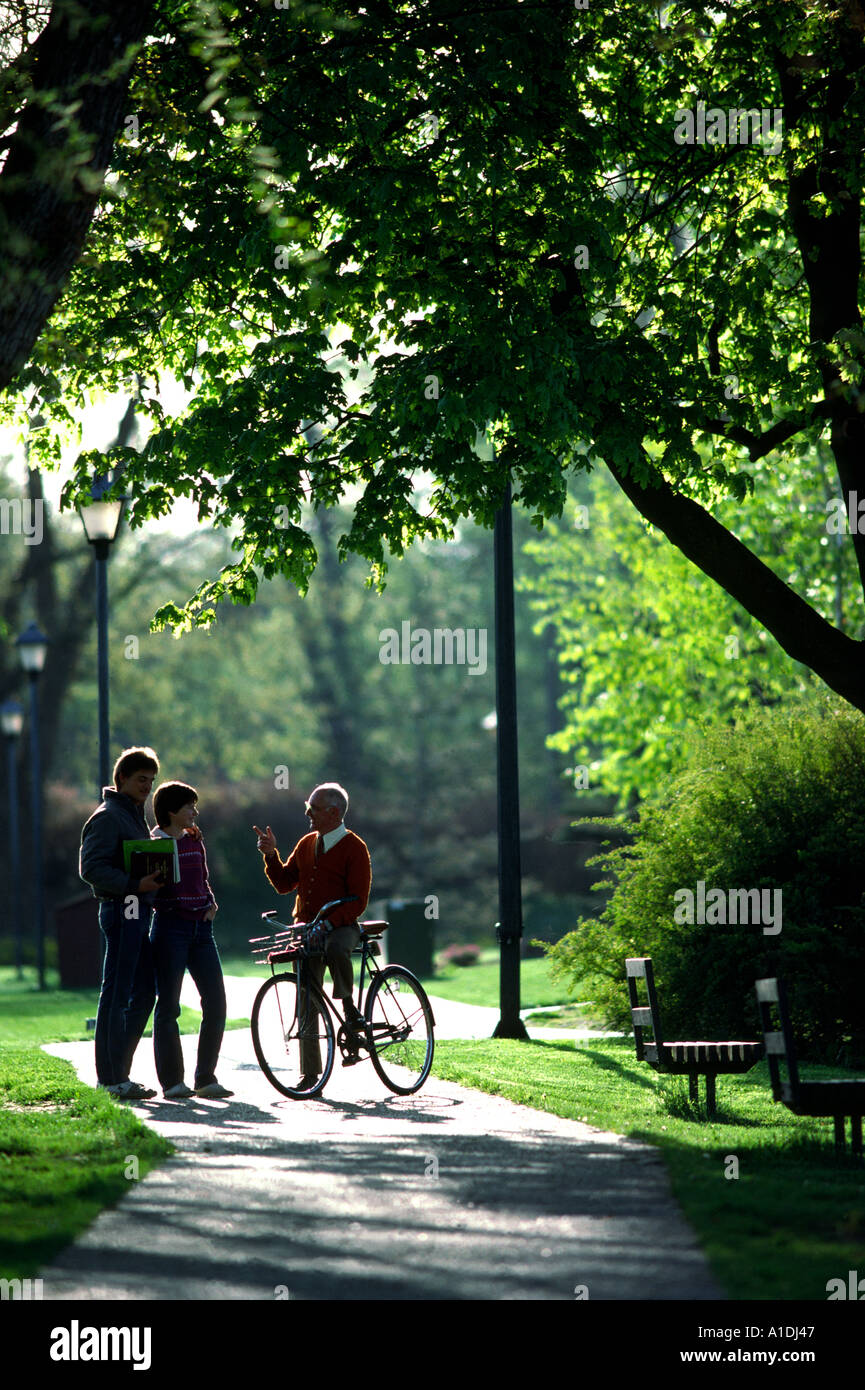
(359, 236)
(647, 644)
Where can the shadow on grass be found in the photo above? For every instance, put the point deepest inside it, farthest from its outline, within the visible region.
(635, 1072)
(780, 1151)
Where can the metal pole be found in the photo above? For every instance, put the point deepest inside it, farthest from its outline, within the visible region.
(36, 795)
(510, 926)
(15, 855)
(100, 550)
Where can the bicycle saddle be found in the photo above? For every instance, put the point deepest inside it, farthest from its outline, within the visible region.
(373, 928)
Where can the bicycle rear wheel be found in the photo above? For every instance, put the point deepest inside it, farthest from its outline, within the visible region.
(292, 1033)
(401, 1023)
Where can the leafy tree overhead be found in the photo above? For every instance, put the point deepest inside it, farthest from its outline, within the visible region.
(646, 642)
(403, 223)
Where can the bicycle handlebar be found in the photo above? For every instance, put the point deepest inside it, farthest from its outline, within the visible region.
(322, 911)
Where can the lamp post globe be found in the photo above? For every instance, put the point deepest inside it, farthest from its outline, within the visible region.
(101, 520)
(32, 650)
(11, 719)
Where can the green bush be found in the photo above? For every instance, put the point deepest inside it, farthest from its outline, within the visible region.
(778, 801)
(460, 954)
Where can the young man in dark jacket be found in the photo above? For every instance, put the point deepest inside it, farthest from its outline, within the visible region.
(128, 990)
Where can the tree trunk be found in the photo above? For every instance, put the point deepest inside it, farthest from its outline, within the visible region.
(799, 629)
(52, 178)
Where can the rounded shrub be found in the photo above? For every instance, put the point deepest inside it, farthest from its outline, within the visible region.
(460, 954)
(774, 804)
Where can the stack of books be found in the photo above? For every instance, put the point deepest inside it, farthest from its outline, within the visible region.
(144, 857)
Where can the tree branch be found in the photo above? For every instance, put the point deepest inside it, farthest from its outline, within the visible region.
(797, 627)
(758, 445)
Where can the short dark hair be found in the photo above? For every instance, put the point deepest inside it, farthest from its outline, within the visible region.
(170, 797)
(134, 760)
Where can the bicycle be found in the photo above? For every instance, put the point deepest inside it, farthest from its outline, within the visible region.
(291, 1014)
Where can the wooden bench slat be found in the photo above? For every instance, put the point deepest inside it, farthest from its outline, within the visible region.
(706, 1057)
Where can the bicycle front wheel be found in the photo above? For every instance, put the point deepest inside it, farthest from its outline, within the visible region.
(400, 1022)
(292, 1033)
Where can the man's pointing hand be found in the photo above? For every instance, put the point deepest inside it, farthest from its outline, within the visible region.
(266, 840)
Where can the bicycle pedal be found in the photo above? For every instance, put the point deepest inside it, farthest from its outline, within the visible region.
(351, 1059)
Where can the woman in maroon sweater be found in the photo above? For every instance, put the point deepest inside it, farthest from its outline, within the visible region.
(182, 939)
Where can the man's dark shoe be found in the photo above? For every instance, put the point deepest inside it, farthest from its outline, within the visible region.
(306, 1083)
(130, 1090)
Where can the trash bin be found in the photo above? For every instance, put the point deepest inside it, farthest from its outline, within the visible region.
(79, 954)
(410, 939)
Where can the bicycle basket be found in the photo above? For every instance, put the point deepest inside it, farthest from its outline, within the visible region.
(279, 946)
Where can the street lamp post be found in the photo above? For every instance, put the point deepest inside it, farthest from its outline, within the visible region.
(12, 720)
(32, 649)
(509, 928)
(101, 521)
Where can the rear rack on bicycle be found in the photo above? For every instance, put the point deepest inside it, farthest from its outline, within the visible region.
(291, 943)
(283, 945)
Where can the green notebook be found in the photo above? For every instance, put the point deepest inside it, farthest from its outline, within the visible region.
(144, 857)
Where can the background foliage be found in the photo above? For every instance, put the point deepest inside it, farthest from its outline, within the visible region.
(777, 801)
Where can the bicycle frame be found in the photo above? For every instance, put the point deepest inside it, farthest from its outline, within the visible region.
(296, 937)
(367, 967)
(395, 1014)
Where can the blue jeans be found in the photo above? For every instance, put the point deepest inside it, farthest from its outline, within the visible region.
(179, 944)
(128, 990)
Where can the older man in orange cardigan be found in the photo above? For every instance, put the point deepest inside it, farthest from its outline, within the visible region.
(330, 862)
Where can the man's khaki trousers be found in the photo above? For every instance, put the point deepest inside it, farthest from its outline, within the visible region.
(338, 946)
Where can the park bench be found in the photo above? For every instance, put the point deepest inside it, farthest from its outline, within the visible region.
(693, 1059)
(838, 1098)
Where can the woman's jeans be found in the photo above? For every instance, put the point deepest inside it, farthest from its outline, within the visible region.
(179, 944)
(127, 993)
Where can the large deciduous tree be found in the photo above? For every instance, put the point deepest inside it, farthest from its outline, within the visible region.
(63, 94)
(609, 234)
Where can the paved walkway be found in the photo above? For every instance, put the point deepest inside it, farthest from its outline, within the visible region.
(361, 1194)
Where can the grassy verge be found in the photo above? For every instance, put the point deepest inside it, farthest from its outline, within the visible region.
(473, 984)
(59, 1015)
(792, 1219)
(479, 984)
(66, 1152)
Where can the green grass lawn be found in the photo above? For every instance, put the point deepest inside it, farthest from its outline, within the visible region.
(471, 984)
(792, 1219)
(479, 984)
(66, 1152)
(28, 1014)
